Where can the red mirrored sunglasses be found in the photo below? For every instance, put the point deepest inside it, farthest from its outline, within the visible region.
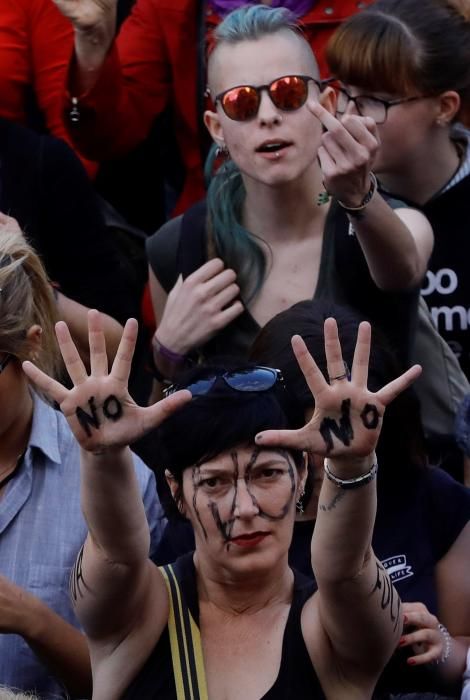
(288, 93)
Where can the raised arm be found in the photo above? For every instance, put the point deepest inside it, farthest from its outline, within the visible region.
(397, 243)
(357, 609)
(120, 596)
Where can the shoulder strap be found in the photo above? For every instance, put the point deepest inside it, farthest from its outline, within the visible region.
(185, 641)
(192, 249)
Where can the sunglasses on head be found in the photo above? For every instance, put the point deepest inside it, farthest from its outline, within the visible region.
(288, 93)
(254, 379)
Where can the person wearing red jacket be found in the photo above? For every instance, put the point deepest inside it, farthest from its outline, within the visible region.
(35, 46)
(116, 88)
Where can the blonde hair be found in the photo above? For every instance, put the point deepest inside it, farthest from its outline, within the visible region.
(10, 694)
(26, 299)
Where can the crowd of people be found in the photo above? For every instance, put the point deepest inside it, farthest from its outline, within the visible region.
(232, 238)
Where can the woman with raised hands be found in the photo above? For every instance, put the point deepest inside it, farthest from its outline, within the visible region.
(251, 626)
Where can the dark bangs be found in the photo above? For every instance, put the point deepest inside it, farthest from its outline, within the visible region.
(376, 52)
(218, 421)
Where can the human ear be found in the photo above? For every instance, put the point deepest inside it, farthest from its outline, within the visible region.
(214, 127)
(34, 338)
(328, 99)
(447, 108)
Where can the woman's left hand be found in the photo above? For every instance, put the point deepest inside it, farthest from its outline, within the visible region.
(347, 153)
(427, 639)
(347, 418)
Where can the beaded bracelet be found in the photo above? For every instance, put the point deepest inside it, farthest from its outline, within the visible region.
(356, 212)
(447, 645)
(354, 483)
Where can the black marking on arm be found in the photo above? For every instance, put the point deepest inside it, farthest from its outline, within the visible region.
(342, 430)
(330, 506)
(77, 582)
(390, 599)
(86, 419)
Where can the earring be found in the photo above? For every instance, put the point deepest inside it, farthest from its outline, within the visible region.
(300, 503)
(221, 150)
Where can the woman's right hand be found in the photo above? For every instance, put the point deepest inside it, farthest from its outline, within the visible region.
(86, 15)
(99, 408)
(199, 307)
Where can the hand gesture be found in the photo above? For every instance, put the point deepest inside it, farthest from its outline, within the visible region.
(99, 409)
(199, 306)
(87, 14)
(347, 152)
(347, 418)
(430, 640)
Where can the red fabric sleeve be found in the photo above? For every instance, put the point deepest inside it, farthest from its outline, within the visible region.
(35, 46)
(133, 87)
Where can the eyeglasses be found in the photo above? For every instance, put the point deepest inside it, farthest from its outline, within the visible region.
(288, 93)
(368, 106)
(256, 379)
(6, 360)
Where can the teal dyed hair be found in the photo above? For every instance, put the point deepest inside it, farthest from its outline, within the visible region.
(226, 193)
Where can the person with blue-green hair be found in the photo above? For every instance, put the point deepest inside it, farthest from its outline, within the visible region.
(292, 213)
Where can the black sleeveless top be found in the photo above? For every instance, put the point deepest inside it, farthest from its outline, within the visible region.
(296, 679)
(180, 247)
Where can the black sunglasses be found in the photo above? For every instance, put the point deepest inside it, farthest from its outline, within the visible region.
(254, 379)
(288, 93)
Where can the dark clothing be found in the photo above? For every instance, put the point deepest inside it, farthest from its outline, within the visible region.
(297, 678)
(447, 287)
(44, 187)
(180, 246)
(415, 528)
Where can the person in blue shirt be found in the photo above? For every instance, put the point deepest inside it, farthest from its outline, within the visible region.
(41, 524)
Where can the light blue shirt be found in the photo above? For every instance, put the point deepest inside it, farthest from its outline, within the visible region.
(41, 531)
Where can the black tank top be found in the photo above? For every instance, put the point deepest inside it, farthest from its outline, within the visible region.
(297, 678)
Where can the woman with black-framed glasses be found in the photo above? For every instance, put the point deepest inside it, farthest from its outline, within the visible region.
(231, 619)
(415, 81)
(293, 182)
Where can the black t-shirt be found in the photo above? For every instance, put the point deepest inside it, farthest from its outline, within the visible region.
(447, 285)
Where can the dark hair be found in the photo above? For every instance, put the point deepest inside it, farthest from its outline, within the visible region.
(217, 421)
(401, 444)
(402, 47)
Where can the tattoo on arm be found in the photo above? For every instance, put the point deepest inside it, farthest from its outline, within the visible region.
(389, 597)
(330, 506)
(77, 582)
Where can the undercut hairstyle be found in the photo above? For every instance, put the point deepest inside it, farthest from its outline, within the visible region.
(26, 299)
(401, 446)
(218, 421)
(404, 48)
(226, 193)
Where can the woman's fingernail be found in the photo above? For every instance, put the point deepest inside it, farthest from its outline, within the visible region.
(405, 619)
(402, 642)
(258, 438)
(411, 662)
